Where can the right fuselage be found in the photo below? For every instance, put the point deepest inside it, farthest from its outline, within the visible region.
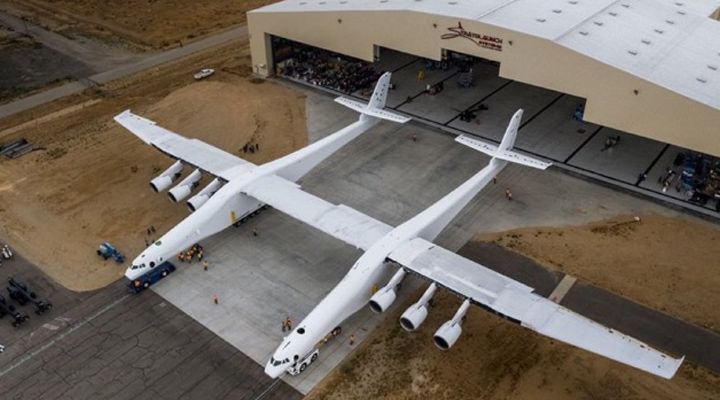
(356, 288)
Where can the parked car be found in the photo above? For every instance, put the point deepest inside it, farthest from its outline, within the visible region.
(204, 73)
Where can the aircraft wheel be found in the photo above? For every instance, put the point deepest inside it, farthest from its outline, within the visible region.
(314, 357)
(303, 367)
(146, 284)
(164, 273)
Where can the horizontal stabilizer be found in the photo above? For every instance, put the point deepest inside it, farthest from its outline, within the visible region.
(507, 155)
(362, 108)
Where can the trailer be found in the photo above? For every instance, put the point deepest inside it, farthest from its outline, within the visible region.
(151, 277)
(20, 293)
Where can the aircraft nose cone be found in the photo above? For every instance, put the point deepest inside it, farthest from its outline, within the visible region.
(273, 372)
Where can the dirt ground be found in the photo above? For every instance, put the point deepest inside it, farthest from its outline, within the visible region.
(669, 264)
(91, 182)
(495, 359)
(155, 24)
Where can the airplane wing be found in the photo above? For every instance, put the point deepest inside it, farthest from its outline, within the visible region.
(516, 301)
(339, 221)
(191, 151)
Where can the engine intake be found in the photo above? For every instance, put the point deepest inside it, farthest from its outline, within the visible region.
(415, 315)
(450, 331)
(384, 297)
(183, 188)
(201, 198)
(166, 178)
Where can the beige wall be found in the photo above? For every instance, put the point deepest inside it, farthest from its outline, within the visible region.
(654, 112)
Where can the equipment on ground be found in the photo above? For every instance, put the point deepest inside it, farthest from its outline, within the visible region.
(151, 277)
(304, 362)
(106, 250)
(9, 309)
(7, 253)
(19, 292)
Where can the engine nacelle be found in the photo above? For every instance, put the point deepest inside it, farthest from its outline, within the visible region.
(182, 190)
(199, 199)
(450, 331)
(415, 315)
(166, 178)
(382, 300)
(447, 335)
(384, 297)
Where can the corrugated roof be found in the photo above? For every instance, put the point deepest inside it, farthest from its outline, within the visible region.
(672, 43)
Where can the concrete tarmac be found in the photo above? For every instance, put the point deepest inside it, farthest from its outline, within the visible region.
(112, 344)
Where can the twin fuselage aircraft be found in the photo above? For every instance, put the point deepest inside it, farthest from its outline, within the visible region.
(241, 189)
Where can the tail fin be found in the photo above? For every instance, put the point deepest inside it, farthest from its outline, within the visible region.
(504, 151)
(375, 107)
(379, 96)
(508, 140)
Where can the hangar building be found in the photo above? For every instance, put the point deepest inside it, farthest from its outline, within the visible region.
(648, 67)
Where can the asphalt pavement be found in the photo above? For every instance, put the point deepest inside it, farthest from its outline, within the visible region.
(112, 344)
(121, 71)
(653, 327)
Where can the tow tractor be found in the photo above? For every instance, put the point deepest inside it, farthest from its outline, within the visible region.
(9, 309)
(302, 365)
(155, 274)
(310, 357)
(19, 292)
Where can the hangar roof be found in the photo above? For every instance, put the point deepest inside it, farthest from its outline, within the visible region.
(672, 43)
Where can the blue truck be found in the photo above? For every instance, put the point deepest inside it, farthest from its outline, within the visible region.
(155, 274)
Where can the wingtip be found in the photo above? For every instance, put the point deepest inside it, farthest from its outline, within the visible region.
(122, 115)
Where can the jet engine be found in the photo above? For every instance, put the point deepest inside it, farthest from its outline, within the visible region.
(450, 331)
(383, 298)
(199, 199)
(164, 180)
(415, 315)
(183, 188)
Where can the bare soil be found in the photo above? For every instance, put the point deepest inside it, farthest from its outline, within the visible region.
(669, 264)
(495, 359)
(155, 24)
(91, 182)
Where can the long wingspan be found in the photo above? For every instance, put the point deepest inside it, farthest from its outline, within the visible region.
(191, 151)
(517, 302)
(470, 280)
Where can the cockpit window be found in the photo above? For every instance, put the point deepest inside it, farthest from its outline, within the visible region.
(158, 243)
(135, 267)
(301, 331)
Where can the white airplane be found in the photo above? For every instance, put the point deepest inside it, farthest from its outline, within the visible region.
(409, 247)
(223, 202)
(248, 187)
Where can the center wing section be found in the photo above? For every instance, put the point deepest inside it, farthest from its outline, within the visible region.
(339, 221)
(516, 301)
(191, 151)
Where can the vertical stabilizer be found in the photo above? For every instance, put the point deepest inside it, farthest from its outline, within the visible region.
(508, 141)
(379, 96)
(375, 107)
